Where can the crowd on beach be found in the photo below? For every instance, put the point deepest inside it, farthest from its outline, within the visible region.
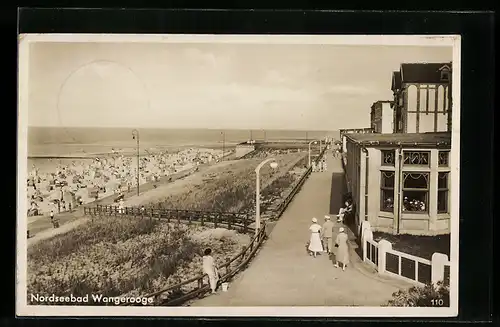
(83, 181)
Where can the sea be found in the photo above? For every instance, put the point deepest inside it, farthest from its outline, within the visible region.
(48, 145)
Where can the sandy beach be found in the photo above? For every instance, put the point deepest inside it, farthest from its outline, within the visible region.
(59, 185)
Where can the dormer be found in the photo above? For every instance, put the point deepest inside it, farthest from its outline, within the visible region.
(445, 71)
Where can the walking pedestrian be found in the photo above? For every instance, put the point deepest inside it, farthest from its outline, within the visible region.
(315, 245)
(342, 256)
(314, 168)
(51, 215)
(210, 269)
(327, 235)
(324, 165)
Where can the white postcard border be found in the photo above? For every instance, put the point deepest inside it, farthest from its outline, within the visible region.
(23, 309)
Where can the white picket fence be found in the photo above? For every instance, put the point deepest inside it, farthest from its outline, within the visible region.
(402, 265)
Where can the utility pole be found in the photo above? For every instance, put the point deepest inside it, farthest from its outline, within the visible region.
(223, 144)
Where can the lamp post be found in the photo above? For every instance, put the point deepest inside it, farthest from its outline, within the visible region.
(309, 145)
(273, 165)
(135, 136)
(223, 144)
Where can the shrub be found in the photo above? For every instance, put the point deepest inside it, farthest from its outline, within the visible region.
(424, 296)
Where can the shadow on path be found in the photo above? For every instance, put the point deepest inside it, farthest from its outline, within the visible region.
(337, 191)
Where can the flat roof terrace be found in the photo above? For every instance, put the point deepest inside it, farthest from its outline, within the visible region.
(439, 139)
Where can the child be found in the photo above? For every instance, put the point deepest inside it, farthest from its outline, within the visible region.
(210, 269)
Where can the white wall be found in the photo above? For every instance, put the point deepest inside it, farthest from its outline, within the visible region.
(387, 118)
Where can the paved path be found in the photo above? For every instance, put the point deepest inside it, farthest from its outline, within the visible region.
(283, 274)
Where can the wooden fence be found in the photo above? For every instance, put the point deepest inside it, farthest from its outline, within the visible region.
(230, 220)
(402, 265)
(196, 286)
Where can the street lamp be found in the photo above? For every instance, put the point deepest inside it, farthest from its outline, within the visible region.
(135, 136)
(273, 165)
(312, 142)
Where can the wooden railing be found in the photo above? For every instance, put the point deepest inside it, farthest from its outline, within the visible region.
(231, 220)
(196, 286)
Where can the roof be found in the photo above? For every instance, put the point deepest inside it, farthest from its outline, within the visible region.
(405, 139)
(380, 101)
(396, 81)
(423, 72)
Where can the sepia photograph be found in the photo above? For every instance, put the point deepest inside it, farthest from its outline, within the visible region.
(249, 175)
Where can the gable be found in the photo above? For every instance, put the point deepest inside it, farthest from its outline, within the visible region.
(445, 68)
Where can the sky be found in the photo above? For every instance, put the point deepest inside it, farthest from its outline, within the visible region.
(213, 85)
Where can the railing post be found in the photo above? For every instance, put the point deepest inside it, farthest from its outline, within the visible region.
(366, 235)
(216, 219)
(229, 221)
(203, 219)
(245, 224)
(200, 282)
(383, 247)
(438, 261)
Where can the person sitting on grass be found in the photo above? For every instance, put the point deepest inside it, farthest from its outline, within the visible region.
(210, 269)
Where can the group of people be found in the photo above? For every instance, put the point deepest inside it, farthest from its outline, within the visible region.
(319, 166)
(322, 240)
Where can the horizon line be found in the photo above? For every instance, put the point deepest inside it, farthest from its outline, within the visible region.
(187, 128)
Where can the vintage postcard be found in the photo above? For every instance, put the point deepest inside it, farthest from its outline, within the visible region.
(224, 175)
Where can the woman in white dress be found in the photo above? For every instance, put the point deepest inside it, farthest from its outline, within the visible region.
(315, 245)
(210, 269)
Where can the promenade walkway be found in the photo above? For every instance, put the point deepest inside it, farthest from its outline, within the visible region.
(283, 274)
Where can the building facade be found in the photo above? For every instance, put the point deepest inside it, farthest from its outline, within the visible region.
(422, 98)
(344, 132)
(400, 181)
(382, 117)
(400, 184)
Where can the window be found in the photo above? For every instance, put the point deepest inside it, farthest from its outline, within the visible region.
(416, 158)
(387, 191)
(443, 158)
(412, 98)
(442, 202)
(445, 76)
(415, 191)
(387, 157)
